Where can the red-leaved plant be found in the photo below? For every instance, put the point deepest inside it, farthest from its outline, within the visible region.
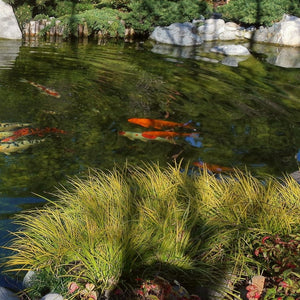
(160, 289)
(281, 260)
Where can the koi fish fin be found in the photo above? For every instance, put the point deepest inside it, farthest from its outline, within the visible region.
(6, 153)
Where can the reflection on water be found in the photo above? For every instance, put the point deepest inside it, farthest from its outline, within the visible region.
(9, 50)
(286, 57)
(246, 116)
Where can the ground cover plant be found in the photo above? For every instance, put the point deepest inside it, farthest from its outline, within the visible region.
(158, 233)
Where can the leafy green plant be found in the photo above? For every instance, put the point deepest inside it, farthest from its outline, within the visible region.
(23, 14)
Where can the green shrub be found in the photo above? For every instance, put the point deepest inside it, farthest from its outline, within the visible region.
(117, 4)
(259, 12)
(23, 14)
(106, 20)
(144, 15)
(70, 8)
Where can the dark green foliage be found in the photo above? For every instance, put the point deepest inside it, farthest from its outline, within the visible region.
(106, 20)
(69, 8)
(260, 12)
(144, 15)
(23, 14)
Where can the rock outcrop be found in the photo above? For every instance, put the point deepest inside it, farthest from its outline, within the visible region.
(9, 28)
(286, 32)
(182, 34)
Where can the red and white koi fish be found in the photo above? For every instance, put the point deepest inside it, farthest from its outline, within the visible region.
(143, 136)
(168, 134)
(12, 126)
(211, 167)
(4, 134)
(43, 89)
(31, 131)
(19, 146)
(158, 124)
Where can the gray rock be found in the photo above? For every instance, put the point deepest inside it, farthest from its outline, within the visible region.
(231, 26)
(8, 23)
(52, 296)
(286, 32)
(296, 176)
(27, 280)
(212, 26)
(6, 294)
(231, 50)
(228, 35)
(182, 34)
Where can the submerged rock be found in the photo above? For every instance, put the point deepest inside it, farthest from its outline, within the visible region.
(231, 50)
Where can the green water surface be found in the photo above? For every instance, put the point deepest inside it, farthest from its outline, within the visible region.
(246, 116)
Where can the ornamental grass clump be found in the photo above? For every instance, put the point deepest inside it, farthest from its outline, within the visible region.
(110, 228)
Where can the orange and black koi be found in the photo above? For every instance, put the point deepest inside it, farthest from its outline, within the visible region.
(31, 131)
(43, 89)
(211, 167)
(158, 124)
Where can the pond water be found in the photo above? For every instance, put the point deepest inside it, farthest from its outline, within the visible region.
(244, 114)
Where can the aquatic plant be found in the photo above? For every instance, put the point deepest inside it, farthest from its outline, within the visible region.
(111, 227)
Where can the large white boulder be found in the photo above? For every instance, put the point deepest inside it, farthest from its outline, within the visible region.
(286, 32)
(182, 34)
(9, 28)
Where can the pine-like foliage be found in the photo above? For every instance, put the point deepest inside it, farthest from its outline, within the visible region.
(260, 12)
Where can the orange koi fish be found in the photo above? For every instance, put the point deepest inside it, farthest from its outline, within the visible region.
(142, 136)
(42, 88)
(166, 134)
(31, 131)
(213, 168)
(158, 124)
